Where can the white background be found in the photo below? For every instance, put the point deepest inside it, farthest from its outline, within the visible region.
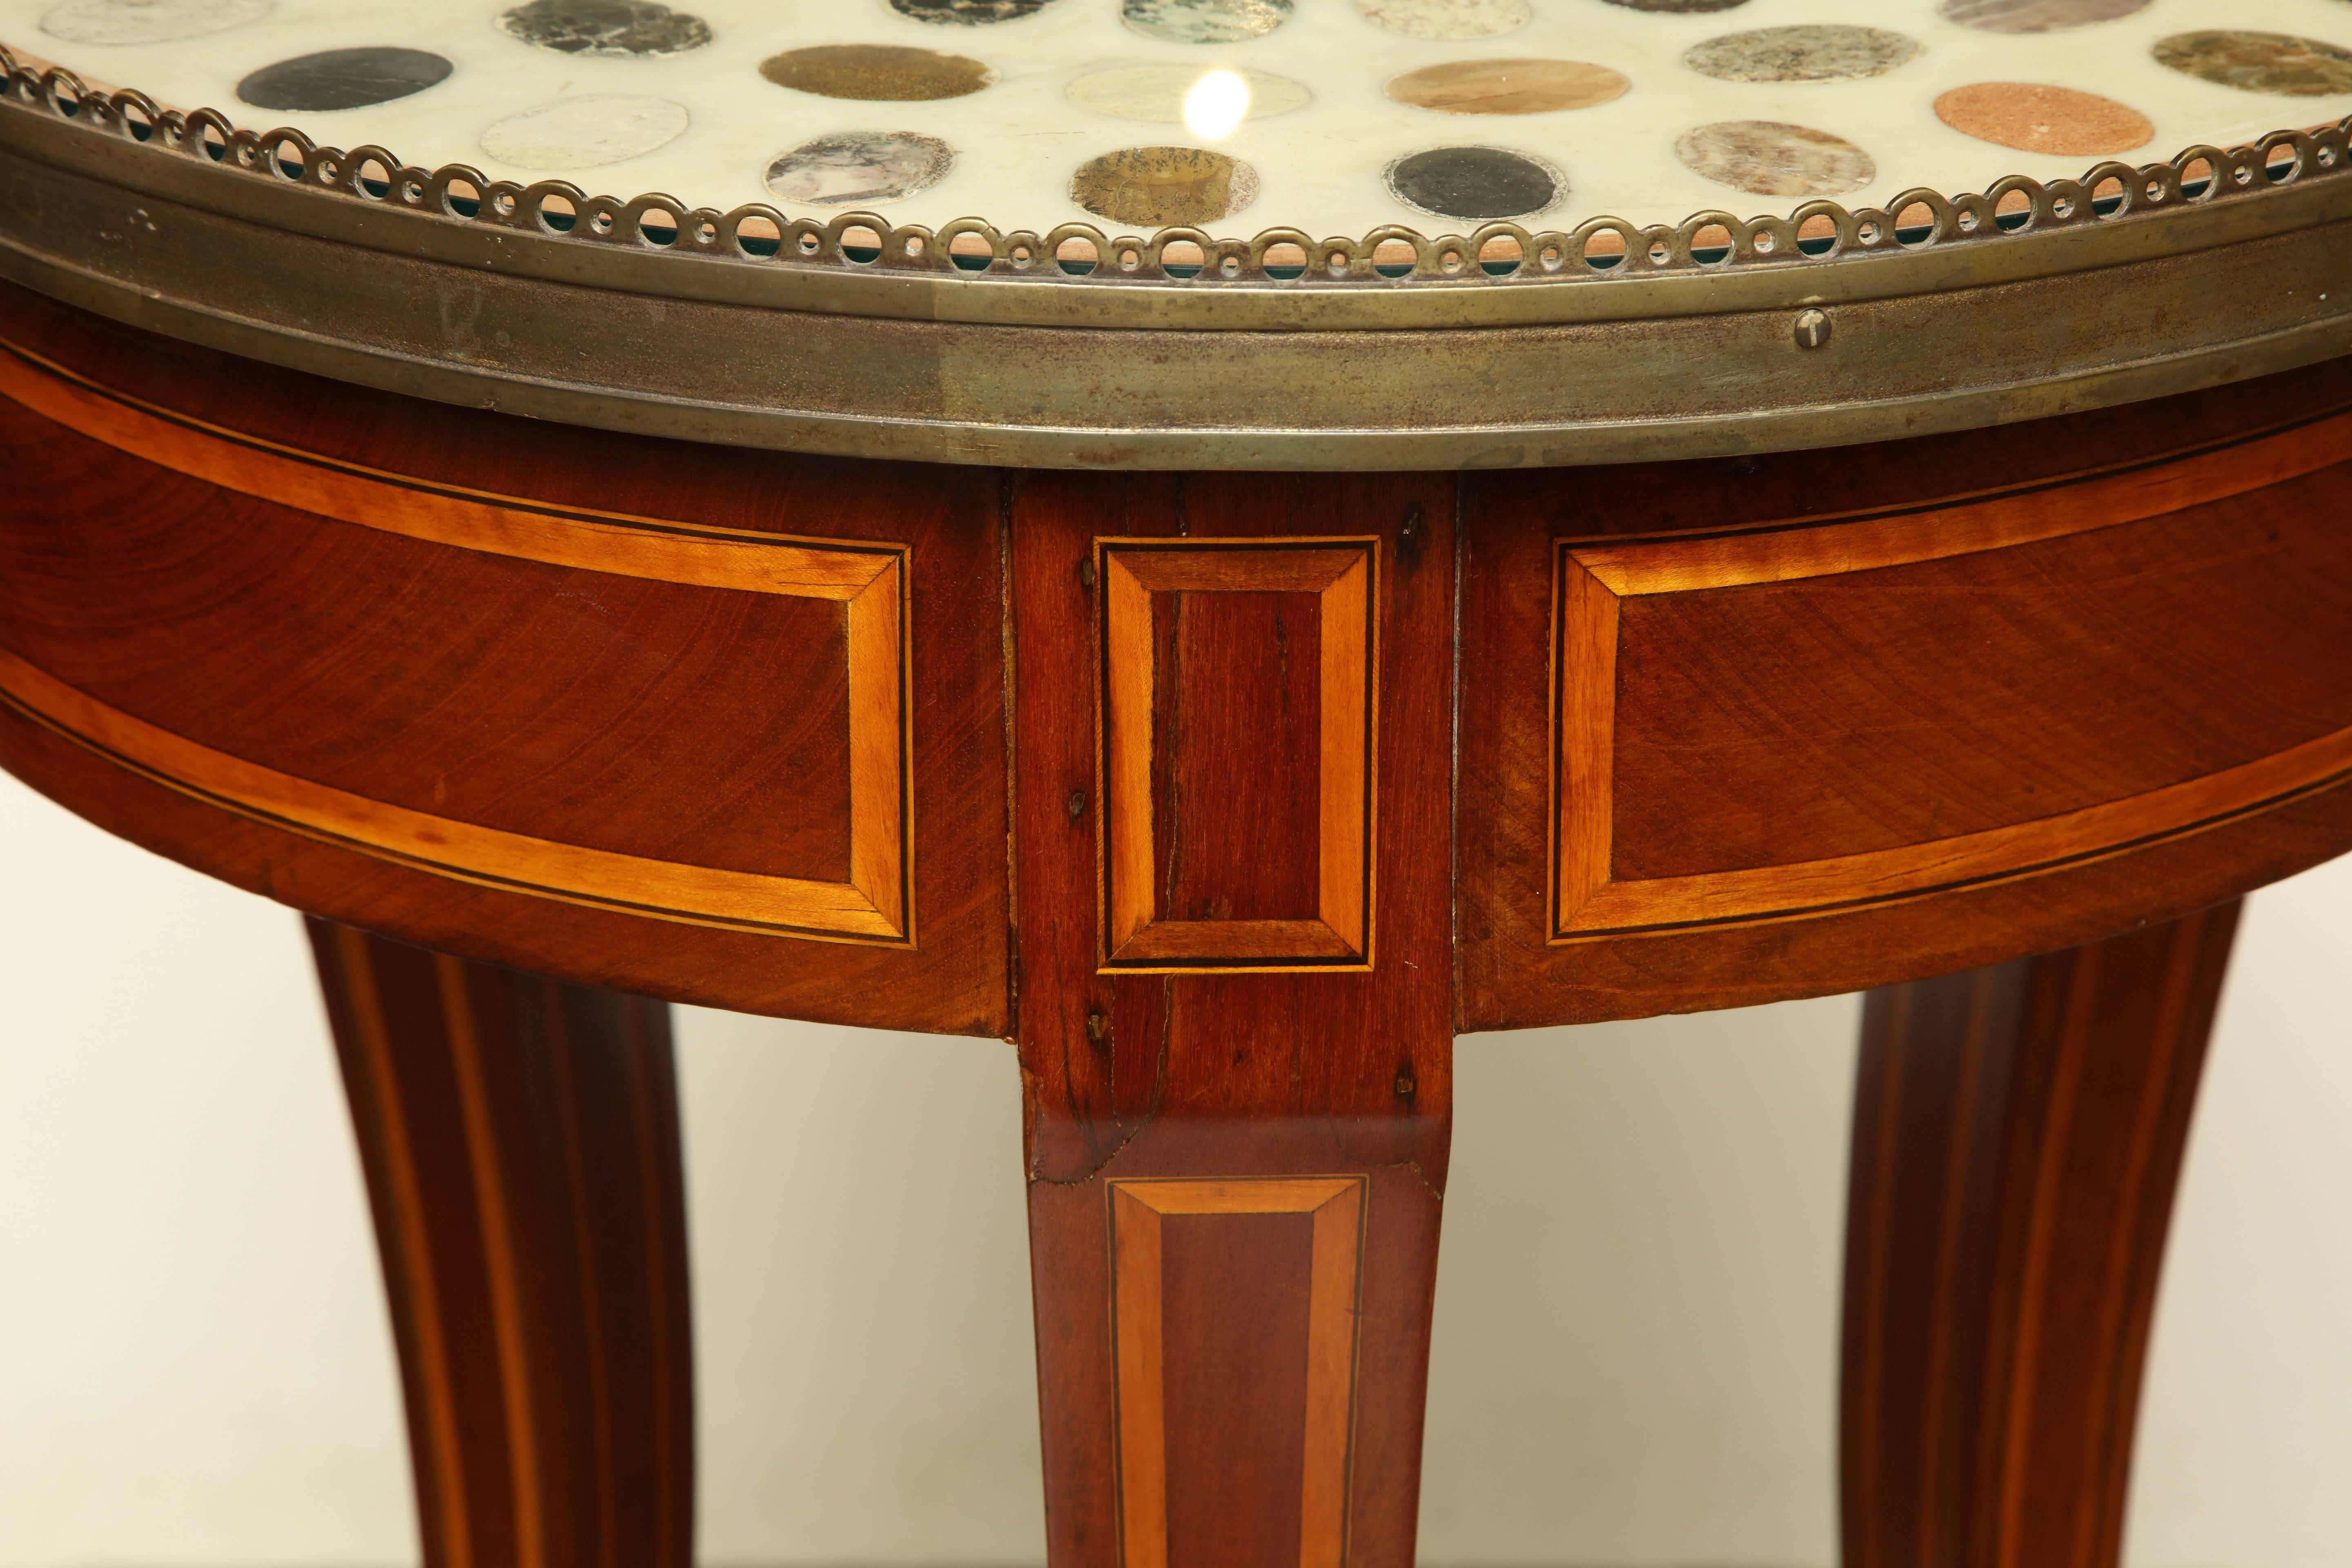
(1637, 1319)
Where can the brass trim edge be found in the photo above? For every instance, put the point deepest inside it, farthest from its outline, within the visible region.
(1364, 373)
(968, 270)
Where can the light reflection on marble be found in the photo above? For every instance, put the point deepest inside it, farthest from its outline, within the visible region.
(1023, 111)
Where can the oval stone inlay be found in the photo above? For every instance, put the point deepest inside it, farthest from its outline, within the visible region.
(1478, 185)
(1812, 52)
(1507, 86)
(968, 13)
(148, 21)
(2260, 62)
(876, 73)
(2036, 15)
(1205, 21)
(1443, 21)
(1154, 187)
(1158, 92)
(343, 79)
(615, 28)
(1771, 158)
(584, 132)
(1678, 8)
(2034, 117)
(860, 168)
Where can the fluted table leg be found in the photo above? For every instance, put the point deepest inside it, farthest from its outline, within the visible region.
(2018, 1137)
(521, 1141)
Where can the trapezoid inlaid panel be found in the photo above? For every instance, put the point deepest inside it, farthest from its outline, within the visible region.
(486, 687)
(1219, 1284)
(1721, 754)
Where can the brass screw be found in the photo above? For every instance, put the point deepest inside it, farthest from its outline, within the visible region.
(1813, 329)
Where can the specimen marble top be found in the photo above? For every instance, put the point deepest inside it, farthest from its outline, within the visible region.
(1330, 116)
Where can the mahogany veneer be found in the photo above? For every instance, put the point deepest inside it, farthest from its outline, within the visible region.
(2017, 1137)
(1229, 799)
(521, 1141)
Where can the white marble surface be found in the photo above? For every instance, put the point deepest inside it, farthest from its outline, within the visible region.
(1320, 167)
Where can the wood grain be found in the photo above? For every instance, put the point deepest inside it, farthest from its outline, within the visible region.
(1334, 1270)
(1861, 715)
(1214, 738)
(646, 694)
(869, 903)
(515, 861)
(1584, 687)
(520, 1139)
(1763, 723)
(324, 486)
(1993, 522)
(1655, 738)
(1232, 1086)
(2146, 754)
(2017, 464)
(2018, 1136)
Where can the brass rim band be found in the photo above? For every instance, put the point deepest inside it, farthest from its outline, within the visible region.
(1684, 362)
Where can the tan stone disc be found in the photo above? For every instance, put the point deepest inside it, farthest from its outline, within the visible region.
(1447, 21)
(1809, 51)
(876, 73)
(1507, 86)
(1153, 187)
(1771, 158)
(2033, 118)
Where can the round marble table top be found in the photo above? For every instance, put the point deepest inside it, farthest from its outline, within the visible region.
(1330, 116)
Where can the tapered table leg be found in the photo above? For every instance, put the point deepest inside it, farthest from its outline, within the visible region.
(2018, 1137)
(1234, 1012)
(521, 1141)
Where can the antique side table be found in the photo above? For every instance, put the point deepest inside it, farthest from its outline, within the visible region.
(1227, 669)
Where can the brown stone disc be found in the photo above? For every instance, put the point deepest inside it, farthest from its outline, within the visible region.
(2036, 15)
(1155, 187)
(2032, 117)
(884, 73)
(1507, 86)
(1769, 158)
(2260, 62)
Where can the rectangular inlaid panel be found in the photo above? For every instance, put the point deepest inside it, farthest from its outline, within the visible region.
(1236, 1307)
(1236, 690)
(1237, 737)
(1725, 751)
(494, 689)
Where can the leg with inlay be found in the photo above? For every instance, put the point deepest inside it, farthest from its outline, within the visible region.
(2018, 1137)
(1232, 719)
(521, 1141)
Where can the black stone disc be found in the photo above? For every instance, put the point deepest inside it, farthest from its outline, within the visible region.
(1476, 184)
(613, 28)
(343, 79)
(968, 13)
